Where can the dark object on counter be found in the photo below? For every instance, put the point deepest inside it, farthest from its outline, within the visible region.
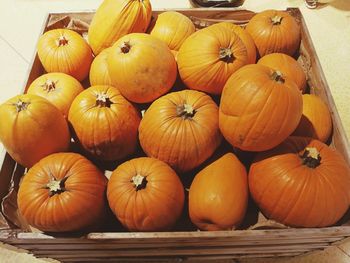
(216, 3)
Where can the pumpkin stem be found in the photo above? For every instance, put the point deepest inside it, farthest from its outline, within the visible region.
(62, 41)
(125, 47)
(276, 20)
(139, 181)
(185, 111)
(277, 76)
(226, 54)
(49, 85)
(21, 105)
(103, 100)
(56, 186)
(311, 157)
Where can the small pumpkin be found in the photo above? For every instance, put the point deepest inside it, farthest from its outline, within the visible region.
(172, 28)
(62, 192)
(209, 56)
(145, 194)
(288, 66)
(104, 122)
(274, 31)
(316, 121)
(259, 108)
(218, 195)
(58, 88)
(32, 128)
(63, 50)
(99, 73)
(181, 129)
(301, 183)
(148, 67)
(116, 18)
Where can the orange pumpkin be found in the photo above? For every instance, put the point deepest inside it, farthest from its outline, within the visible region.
(99, 73)
(209, 57)
(58, 88)
(116, 18)
(32, 128)
(104, 122)
(259, 108)
(141, 67)
(316, 121)
(181, 129)
(145, 194)
(63, 50)
(288, 66)
(218, 195)
(274, 32)
(62, 192)
(301, 183)
(172, 28)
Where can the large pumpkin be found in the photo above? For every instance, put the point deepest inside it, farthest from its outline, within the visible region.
(62, 192)
(181, 129)
(218, 195)
(209, 56)
(301, 183)
(288, 66)
(145, 194)
(58, 88)
(142, 67)
(63, 50)
(32, 128)
(116, 18)
(104, 122)
(172, 28)
(99, 73)
(259, 108)
(274, 31)
(316, 121)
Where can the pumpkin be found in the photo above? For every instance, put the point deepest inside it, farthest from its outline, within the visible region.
(62, 192)
(172, 28)
(99, 73)
(58, 88)
(274, 32)
(104, 122)
(218, 195)
(181, 129)
(63, 50)
(316, 121)
(145, 194)
(301, 183)
(142, 67)
(259, 108)
(32, 128)
(116, 18)
(288, 66)
(209, 56)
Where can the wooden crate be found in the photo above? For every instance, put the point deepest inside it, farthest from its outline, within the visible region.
(176, 245)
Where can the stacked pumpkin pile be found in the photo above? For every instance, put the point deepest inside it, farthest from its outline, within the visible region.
(298, 181)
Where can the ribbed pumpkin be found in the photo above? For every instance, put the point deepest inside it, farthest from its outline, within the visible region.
(145, 194)
(316, 121)
(209, 57)
(104, 122)
(172, 28)
(274, 31)
(181, 129)
(301, 183)
(142, 67)
(288, 66)
(259, 108)
(32, 128)
(116, 18)
(99, 73)
(218, 195)
(62, 192)
(58, 88)
(63, 50)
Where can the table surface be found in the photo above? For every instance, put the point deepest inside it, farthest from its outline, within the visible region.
(21, 22)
